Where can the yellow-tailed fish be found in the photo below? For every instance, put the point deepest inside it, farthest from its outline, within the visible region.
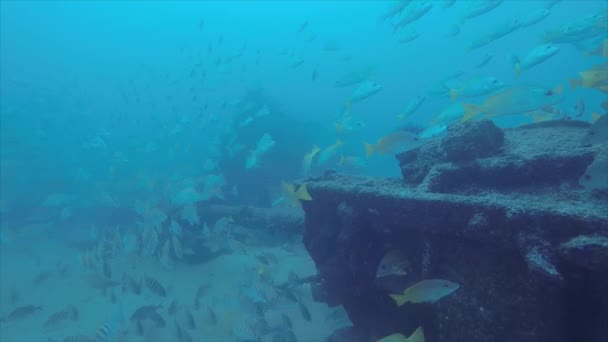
(426, 291)
(416, 336)
(513, 100)
(596, 77)
(295, 196)
(390, 143)
(329, 152)
(308, 159)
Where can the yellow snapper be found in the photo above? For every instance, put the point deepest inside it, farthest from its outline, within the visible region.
(416, 336)
(514, 100)
(390, 143)
(308, 158)
(295, 196)
(426, 291)
(596, 77)
(329, 152)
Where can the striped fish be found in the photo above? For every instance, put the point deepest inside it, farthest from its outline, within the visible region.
(79, 338)
(154, 286)
(58, 317)
(111, 327)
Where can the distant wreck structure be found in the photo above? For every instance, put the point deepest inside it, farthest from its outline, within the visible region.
(500, 212)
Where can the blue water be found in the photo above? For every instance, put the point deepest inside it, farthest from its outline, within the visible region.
(108, 110)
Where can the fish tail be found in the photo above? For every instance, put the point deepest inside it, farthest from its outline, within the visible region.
(575, 83)
(517, 69)
(399, 299)
(470, 111)
(453, 94)
(302, 193)
(369, 149)
(416, 336)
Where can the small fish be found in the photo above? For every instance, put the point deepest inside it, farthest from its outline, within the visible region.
(364, 90)
(190, 322)
(453, 31)
(304, 311)
(477, 8)
(595, 77)
(538, 55)
(131, 284)
(596, 174)
(416, 336)
(173, 307)
(476, 87)
(514, 100)
(393, 263)
(534, 17)
(493, 35)
(308, 160)
(484, 60)
(154, 286)
(390, 143)
(20, 313)
(303, 26)
(411, 107)
(329, 153)
(433, 131)
(426, 291)
(407, 35)
(210, 316)
(148, 312)
(69, 313)
(110, 327)
(354, 77)
(79, 338)
(598, 133)
(413, 13)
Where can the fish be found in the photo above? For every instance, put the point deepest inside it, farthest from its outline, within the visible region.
(111, 327)
(550, 3)
(295, 196)
(177, 247)
(536, 56)
(264, 144)
(477, 8)
(484, 60)
(329, 152)
(210, 316)
(148, 312)
(426, 291)
(154, 286)
(514, 100)
(190, 322)
(453, 31)
(308, 160)
(452, 113)
(534, 17)
(498, 32)
(304, 311)
(596, 174)
(390, 143)
(586, 27)
(364, 90)
(433, 131)
(394, 10)
(352, 162)
(412, 13)
(393, 263)
(349, 124)
(476, 87)
(411, 107)
(69, 313)
(20, 313)
(173, 307)
(79, 338)
(595, 77)
(448, 3)
(354, 77)
(303, 26)
(416, 336)
(406, 36)
(598, 132)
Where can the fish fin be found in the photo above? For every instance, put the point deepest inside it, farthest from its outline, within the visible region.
(453, 94)
(416, 336)
(559, 89)
(399, 299)
(302, 194)
(575, 83)
(369, 149)
(470, 111)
